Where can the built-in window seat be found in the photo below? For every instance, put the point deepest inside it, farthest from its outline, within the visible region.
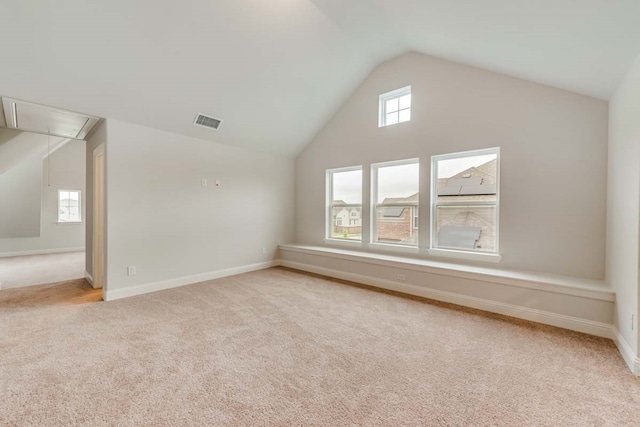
(579, 304)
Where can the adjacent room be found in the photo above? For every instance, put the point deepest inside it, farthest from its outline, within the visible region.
(319, 212)
(42, 183)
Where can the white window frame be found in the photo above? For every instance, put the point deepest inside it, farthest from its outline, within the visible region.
(329, 207)
(382, 104)
(79, 221)
(458, 253)
(373, 244)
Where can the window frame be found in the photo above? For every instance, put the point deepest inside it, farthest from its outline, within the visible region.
(79, 221)
(374, 205)
(472, 255)
(329, 220)
(382, 105)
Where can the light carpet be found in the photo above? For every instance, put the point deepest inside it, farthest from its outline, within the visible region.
(279, 347)
(29, 270)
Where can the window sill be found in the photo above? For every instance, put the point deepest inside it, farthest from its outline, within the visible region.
(343, 242)
(68, 222)
(469, 256)
(394, 248)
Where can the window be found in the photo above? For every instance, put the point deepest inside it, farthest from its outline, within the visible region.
(69, 207)
(465, 200)
(395, 202)
(344, 201)
(395, 107)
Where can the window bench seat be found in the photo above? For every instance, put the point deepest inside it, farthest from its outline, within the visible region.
(579, 304)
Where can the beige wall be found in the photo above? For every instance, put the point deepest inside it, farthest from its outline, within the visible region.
(624, 203)
(553, 165)
(163, 221)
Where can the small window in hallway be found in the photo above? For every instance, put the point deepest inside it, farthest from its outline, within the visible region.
(69, 206)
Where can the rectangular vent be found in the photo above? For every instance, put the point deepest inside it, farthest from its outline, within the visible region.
(207, 122)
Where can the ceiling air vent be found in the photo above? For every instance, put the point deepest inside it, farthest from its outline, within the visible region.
(207, 122)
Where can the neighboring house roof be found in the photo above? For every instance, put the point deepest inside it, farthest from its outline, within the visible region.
(392, 212)
(400, 200)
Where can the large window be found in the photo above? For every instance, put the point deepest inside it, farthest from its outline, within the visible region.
(395, 195)
(465, 201)
(344, 200)
(395, 107)
(69, 207)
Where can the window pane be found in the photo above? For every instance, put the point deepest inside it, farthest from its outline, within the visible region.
(405, 102)
(64, 198)
(404, 115)
(397, 190)
(396, 224)
(391, 119)
(63, 214)
(346, 223)
(347, 187)
(467, 227)
(398, 182)
(468, 179)
(391, 105)
(74, 214)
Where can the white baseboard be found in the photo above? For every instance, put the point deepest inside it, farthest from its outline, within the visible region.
(41, 252)
(110, 295)
(567, 322)
(89, 278)
(633, 361)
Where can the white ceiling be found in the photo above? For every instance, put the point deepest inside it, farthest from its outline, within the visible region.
(276, 70)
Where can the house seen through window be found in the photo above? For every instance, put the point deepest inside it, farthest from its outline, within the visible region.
(465, 201)
(395, 209)
(344, 203)
(69, 206)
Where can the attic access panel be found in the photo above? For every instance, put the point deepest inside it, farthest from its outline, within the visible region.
(30, 117)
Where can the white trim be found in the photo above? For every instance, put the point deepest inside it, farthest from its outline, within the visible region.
(469, 256)
(632, 361)
(89, 278)
(145, 288)
(41, 252)
(343, 242)
(526, 313)
(390, 247)
(592, 289)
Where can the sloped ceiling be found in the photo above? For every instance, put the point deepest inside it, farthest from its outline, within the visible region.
(275, 71)
(17, 147)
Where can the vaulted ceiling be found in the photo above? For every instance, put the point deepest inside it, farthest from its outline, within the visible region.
(275, 71)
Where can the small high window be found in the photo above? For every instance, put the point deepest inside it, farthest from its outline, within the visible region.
(395, 107)
(69, 207)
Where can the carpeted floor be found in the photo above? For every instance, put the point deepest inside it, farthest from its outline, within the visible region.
(278, 347)
(29, 270)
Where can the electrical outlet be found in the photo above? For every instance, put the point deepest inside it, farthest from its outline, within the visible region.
(400, 277)
(204, 182)
(131, 270)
